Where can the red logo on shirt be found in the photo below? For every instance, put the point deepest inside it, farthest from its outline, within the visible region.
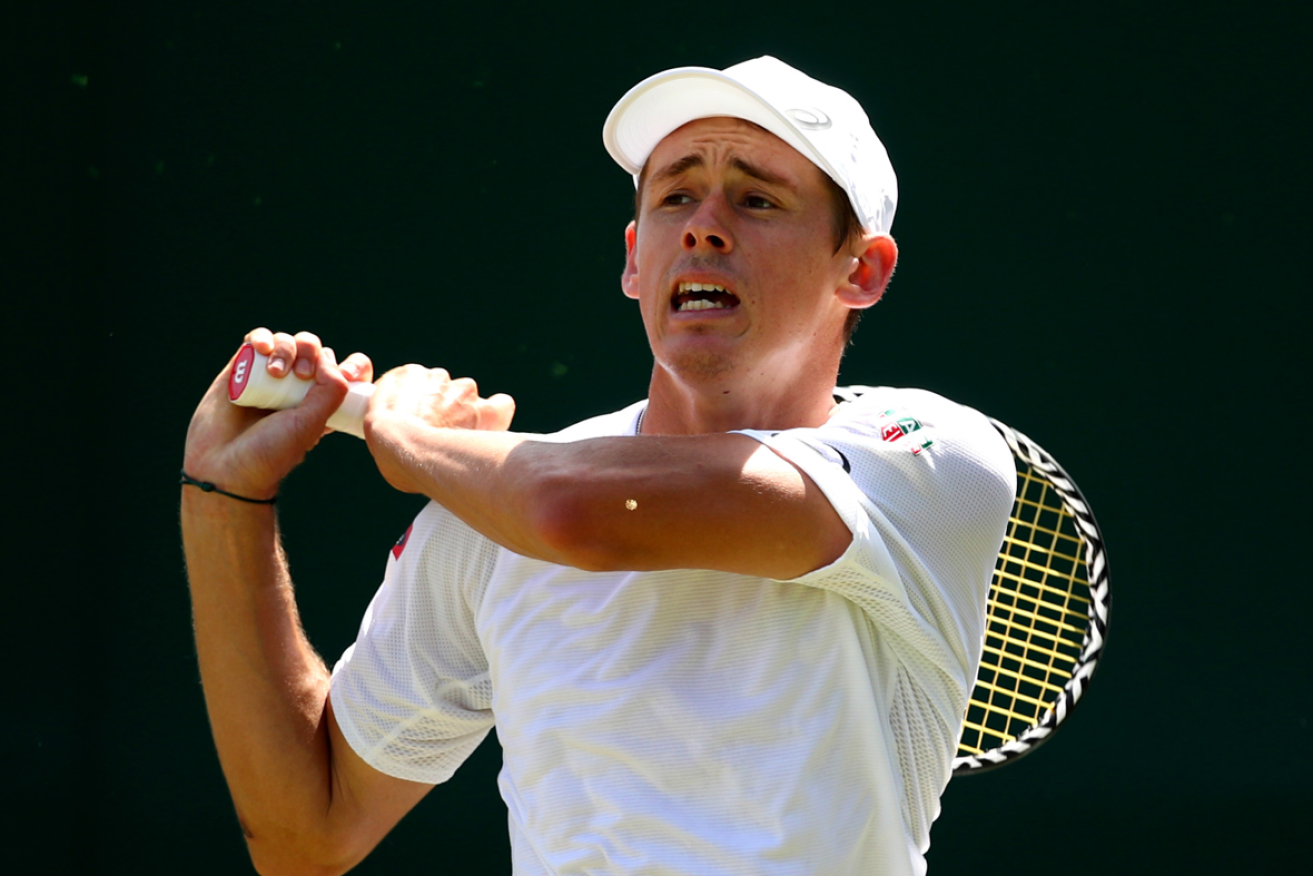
(401, 542)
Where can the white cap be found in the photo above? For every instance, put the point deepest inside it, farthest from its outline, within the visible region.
(822, 122)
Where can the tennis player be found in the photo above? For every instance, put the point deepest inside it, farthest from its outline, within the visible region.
(729, 629)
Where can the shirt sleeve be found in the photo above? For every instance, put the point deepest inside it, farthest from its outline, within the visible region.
(413, 695)
(925, 486)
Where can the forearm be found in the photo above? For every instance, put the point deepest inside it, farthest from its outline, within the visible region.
(719, 501)
(265, 688)
(484, 478)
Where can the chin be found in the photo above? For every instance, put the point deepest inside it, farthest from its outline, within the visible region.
(699, 364)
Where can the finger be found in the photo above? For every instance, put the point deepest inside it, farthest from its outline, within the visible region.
(327, 364)
(358, 367)
(500, 410)
(262, 339)
(330, 355)
(464, 388)
(437, 382)
(308, 348)
(324, 397)
(282, 355)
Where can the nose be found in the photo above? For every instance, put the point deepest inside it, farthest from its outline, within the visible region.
(707, 228)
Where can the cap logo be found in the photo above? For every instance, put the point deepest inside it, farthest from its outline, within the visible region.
(811, 119)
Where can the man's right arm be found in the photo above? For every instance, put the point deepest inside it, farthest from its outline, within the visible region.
(306, 801)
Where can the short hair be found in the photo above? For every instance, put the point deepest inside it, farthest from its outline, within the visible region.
(846, 227)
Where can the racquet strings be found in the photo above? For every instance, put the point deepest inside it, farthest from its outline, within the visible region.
(1038, 614)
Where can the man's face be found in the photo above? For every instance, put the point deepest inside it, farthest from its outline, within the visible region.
(733, 258)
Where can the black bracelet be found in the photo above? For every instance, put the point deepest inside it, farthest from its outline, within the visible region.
(208, 487)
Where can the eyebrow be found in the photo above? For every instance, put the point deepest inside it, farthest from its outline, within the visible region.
(743, 166)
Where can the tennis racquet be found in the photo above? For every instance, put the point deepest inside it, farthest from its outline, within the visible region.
(1047, 615)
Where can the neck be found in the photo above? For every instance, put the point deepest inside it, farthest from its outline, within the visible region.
(678, 406)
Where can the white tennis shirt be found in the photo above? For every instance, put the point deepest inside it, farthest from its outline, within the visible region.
(692, 722)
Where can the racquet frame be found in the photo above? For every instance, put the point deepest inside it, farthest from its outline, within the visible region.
(1047, 618)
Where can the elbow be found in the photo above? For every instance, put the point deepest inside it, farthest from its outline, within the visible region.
(266, 867)
(283, 865)
(568, 526)
(301, 856)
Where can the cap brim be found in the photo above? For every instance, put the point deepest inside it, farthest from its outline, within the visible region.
(660, 104)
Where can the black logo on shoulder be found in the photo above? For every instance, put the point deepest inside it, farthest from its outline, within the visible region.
(832, 454)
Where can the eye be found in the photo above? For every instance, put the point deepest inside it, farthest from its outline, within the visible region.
(676, 199)
(758, 202)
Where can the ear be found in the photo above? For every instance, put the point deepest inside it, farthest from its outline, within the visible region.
(875, 256)
(629, 279)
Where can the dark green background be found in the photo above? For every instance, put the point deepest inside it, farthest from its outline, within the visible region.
(1104, 227)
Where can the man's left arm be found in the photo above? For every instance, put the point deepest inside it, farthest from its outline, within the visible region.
(723, 501)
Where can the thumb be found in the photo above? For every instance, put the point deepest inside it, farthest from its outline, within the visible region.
(323, 399)
(498, 413)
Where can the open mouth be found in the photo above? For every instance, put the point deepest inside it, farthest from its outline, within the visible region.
(702, 296)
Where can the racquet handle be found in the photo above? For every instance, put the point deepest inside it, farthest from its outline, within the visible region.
(251, 385)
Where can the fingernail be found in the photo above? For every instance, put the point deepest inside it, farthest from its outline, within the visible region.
(305, 367)
(279, 365)
(351, 370)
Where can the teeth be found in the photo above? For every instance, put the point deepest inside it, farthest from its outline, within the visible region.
(686, 288)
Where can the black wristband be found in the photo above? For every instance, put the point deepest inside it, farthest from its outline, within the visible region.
(208, 487)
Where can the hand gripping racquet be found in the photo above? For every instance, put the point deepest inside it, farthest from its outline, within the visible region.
(250, 385)
(1047, 614)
